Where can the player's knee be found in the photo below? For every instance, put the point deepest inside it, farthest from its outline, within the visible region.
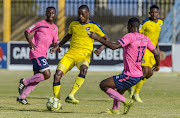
(102, 86)
(83, 70)
(47, 76)
(58, 75)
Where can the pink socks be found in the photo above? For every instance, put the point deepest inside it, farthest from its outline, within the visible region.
(34, 79)
(27, 90)
(116, 104)
(31, 84)
(115, 95)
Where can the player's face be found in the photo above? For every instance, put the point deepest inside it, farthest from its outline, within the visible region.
(154, 13)
(50, 14)
(83, 15)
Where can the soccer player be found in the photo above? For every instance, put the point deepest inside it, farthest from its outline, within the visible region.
(79, 53)
(134, 45)
(45, 33)
(151, 27)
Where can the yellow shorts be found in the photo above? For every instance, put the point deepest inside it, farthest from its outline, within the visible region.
(72, 58)
(148, 59)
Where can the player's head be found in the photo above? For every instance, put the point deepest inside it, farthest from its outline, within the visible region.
(154, 12)
(133, 24)
(50, 14)
(83, 13)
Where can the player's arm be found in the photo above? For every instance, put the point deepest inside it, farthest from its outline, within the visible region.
(157, 47)
(151, 47)
(62, 42)
(98, 51)
(28, 31)
(54, 45)
(27, 35)
(108, 44)
(157, 58)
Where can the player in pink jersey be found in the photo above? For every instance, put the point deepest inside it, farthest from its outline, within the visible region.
(134, 45)
(45, 33)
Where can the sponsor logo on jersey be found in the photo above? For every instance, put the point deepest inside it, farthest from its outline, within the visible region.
(87, 28)
(160, 25)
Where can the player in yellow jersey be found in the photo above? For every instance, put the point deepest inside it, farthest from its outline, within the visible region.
(151, 27)
(79, 53)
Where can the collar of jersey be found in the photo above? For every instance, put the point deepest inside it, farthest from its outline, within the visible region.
(153, 21)
(85, 23)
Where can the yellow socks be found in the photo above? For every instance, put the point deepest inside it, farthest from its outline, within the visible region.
(78, 83)
(56, 89)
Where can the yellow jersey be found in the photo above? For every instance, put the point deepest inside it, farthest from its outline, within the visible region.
(151, 29)
(80, 40)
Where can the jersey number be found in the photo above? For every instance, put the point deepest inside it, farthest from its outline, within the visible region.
(140, 50)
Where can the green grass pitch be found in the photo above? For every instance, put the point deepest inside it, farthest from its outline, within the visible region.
(161, 96)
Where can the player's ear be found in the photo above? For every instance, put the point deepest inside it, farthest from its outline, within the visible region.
(88, 13)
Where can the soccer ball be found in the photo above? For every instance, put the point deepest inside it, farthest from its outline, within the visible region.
(53, 104)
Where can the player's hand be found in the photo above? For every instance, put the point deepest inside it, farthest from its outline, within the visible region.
(32, 46)
(93, 35)
(59, 50)
(97, 52)
(155, 68)
(53, 50)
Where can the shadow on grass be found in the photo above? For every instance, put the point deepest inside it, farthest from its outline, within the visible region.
(6, 109)
(33, 110)
(81, 99)
(34, 97)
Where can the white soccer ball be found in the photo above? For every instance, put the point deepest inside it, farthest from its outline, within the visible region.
(53, 104)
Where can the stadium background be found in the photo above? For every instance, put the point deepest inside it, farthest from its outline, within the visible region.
(112, 15)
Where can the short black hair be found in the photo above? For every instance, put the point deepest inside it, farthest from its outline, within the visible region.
(51, 7)
(134, 22)
(154, 6)
(84, 7)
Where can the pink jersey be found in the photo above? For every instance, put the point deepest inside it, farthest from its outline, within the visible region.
(44, 35)
(134, 45)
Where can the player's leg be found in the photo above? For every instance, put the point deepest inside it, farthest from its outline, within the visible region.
(33, 83)
(26, 90)
(108, 86)
(57, 84)
(41, 72)
(64, 65)
(83, 66)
